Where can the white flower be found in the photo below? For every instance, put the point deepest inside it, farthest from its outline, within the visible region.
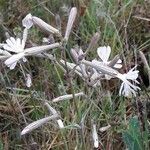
(28, 80)
(95, 136)
(15, 46)
(104, 54)
(127, 88)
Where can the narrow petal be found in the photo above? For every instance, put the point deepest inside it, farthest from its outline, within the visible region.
(121, 89)
(24, 39)
(95, 136)
(13, 41)
(118, 66)
(12, 66)
(119, 61)
(60, 123)
(8, 48)
(9, 42)
(18, 42)
(13, 59)
(28, 80)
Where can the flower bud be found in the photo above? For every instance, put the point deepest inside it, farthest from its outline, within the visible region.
(71, 20)
(44, 26)
(38, 123)
(74, 55)
(93, 42)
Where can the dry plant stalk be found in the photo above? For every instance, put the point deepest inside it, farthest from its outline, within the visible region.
(143, 58)
(67, 97)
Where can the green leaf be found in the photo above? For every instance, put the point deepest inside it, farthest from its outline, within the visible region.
(132, 136)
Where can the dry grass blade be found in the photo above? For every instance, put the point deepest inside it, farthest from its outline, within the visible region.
(143, 58)
(67, 97)
(141, 18)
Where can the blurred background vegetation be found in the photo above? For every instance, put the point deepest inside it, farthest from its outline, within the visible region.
(122, 24)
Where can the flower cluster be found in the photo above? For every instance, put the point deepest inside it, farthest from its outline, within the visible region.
(94, 71)
(14, 51)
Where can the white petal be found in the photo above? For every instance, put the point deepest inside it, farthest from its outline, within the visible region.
(13, 59)
(12, 66)
(118, 66)
(60, 123)
(18, 42)
(13, 40)
(13, 45)
(24, 39)
(8, 48)
(27, 21)
(132, 75)
(4, 52)
(121, 89)
(104, 53)
(108, 77)
(9, 42)
(28, 80)
(95, 136)
(127, 90)
(80, 52)
(119, 61)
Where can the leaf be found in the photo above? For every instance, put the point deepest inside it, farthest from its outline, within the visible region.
(132, 136)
